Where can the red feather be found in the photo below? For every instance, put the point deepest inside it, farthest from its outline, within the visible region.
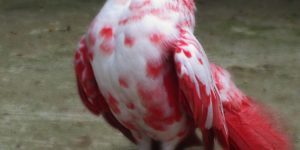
(86, 83)
(249, 127)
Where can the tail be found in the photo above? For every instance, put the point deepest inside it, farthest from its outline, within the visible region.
(249, 126)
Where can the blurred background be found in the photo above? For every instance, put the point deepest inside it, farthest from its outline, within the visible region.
(258, 41)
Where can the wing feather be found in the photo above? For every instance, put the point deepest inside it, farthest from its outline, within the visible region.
(89, 92)
(86, 83)
(197, 84)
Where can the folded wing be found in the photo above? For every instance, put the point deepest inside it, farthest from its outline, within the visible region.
(196, 83)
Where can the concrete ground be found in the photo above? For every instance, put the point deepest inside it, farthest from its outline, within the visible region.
(258, 41)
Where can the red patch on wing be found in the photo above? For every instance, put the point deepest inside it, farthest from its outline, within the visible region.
(113, 104)
(106, 32)
(153, 69)
(123, 83)
(128, 41)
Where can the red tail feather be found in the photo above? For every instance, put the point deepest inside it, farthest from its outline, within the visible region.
(250, 128)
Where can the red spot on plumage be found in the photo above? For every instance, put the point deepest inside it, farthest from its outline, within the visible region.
(106, 48)
(130, 105)
(139, 5)
(200, 61)
(153, 69)
(156, 38)
(156, 111)
(187, 53)
(182, 31)
(189, 4)
(178, 50)
(178, 67)
(143, 93)
(106, 32)
(113, 104)
(152, 122)
(155, 11)
(123, 83)
(123, 21)
(150, 97)
(157, 119)
(171, 86)
(128, 41)
(182, 43)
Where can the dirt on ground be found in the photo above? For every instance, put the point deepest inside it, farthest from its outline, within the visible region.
(257, 41)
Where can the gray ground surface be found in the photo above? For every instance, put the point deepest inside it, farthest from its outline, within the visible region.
(258, 41)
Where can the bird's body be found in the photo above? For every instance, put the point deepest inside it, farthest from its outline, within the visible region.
(140, 66)
(130, 47)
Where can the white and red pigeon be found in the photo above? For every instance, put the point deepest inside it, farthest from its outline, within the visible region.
(140, 66)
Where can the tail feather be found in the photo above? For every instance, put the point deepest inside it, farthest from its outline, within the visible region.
(249, 126)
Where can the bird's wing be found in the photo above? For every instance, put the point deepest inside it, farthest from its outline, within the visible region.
(196, 83)
(86, 83)
(89, 92)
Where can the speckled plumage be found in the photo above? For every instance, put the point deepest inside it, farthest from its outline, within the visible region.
(140, 66)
